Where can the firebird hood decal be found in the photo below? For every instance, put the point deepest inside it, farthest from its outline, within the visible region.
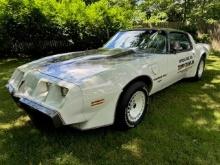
(72, 72)
(77, 66)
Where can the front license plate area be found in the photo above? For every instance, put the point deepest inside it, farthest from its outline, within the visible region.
(38, 107)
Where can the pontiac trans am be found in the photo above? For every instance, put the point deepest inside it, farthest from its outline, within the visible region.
(108, 86)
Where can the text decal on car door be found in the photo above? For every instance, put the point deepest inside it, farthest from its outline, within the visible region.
(185, 63)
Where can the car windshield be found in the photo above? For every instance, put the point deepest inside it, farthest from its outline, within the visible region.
(151, 41)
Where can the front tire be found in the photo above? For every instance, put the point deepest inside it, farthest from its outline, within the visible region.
(132, 105)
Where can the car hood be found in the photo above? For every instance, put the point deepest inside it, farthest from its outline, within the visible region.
(76, 66)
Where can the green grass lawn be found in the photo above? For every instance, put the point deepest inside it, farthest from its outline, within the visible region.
(183, 127)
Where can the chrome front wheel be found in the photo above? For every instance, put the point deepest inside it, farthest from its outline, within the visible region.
(136, 106)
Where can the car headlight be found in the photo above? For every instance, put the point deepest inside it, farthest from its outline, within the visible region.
(42, 90)
(17, 77)
(64, 91)
(48, 85)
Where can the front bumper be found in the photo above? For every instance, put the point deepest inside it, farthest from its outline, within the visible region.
(35, 110)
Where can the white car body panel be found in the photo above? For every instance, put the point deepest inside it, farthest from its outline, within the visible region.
(95, 81)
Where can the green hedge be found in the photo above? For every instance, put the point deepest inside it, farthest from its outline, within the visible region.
(41, 27)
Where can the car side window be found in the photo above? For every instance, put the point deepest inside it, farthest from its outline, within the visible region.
(179, 42)
(156, 43)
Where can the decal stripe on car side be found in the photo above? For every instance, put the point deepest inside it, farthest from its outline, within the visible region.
(97, 102)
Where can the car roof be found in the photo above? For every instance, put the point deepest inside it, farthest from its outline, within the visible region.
(157, 29)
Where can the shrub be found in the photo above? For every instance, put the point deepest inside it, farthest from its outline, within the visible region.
(41, 27)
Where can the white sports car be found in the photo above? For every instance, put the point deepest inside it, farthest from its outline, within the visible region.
(110, 85)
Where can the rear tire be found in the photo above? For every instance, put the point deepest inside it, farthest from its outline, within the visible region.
(132, 105)
(200, 69)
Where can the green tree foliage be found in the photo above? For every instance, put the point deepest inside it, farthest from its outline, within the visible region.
(191, 11)
(50, 26)
(79, 25)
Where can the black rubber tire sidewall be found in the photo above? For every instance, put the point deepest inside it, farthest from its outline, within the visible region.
(121, 119)
(197, 75)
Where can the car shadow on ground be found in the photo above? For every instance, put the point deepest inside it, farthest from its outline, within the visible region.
(182, 127)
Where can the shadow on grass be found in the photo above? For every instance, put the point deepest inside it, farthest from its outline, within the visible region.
(183, 127)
